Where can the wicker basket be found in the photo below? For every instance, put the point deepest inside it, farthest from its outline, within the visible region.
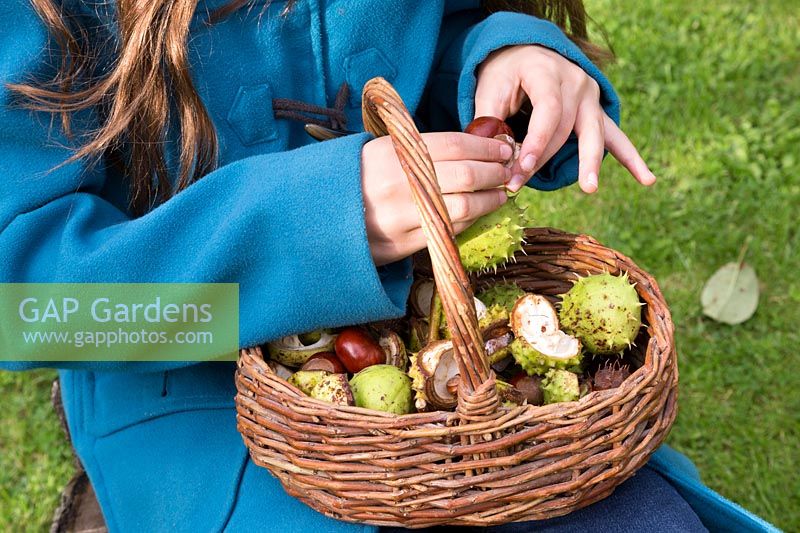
(482, 464)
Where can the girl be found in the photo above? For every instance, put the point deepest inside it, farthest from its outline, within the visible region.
(180, 156)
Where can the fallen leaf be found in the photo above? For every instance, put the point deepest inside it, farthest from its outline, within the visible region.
(731, 294)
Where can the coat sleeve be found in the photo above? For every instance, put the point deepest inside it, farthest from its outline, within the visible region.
(466, 40)
(288, 227)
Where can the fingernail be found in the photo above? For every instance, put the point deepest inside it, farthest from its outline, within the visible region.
(591, 180)
(528, 163)
(652, 178)
(516, 182)
(503, 196)
(506, 151)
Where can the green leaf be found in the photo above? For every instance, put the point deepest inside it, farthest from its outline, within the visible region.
(731, 294)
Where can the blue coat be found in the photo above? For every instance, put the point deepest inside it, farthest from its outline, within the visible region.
(281, 215)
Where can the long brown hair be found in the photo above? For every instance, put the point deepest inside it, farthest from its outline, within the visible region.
(149, 79)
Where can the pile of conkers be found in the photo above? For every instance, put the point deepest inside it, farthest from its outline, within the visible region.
(409, 365)
(363, 366)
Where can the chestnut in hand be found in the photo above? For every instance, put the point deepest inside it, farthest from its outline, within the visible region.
(357, 350)
(326, 361)
(489, 127)
(494, 128)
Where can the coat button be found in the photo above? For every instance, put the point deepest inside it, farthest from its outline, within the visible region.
(361, 67)
(251, 115)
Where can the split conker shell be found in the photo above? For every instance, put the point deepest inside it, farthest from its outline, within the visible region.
(394, 348)
(306, 380)
(383, 388)
(431, 370)
(333, 388)
(294, 350)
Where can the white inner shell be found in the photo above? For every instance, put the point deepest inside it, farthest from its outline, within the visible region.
(480, 309)
(535, 320)
(292, 342)
(441, 362)
(445, 371)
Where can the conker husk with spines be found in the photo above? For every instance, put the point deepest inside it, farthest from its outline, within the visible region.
(504, 294)
(560, 386)
(383, 388)
(526, 200)
(492, 239)
(603, 311)
(333, 388)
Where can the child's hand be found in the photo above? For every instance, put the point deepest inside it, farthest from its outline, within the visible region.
(470, 172)
(564, 99)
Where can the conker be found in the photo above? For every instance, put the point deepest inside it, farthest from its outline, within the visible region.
(489, 127)
(530, 387)
(357, 350)
(326, 361)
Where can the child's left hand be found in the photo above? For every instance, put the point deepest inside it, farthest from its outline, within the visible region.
(564, 99)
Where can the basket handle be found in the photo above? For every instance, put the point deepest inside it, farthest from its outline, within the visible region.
(385, 113)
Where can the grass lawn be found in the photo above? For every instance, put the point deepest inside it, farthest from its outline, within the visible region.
(711, 95)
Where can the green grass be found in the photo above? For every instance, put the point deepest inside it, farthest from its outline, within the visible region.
(711, 94)
(35, 460)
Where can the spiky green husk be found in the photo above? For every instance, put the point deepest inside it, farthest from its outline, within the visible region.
(492, 239)
(533, 361)
(494, 313)
(526, 201)
(383, 388)
(504, 294)
(560, 386)
(603, 311)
